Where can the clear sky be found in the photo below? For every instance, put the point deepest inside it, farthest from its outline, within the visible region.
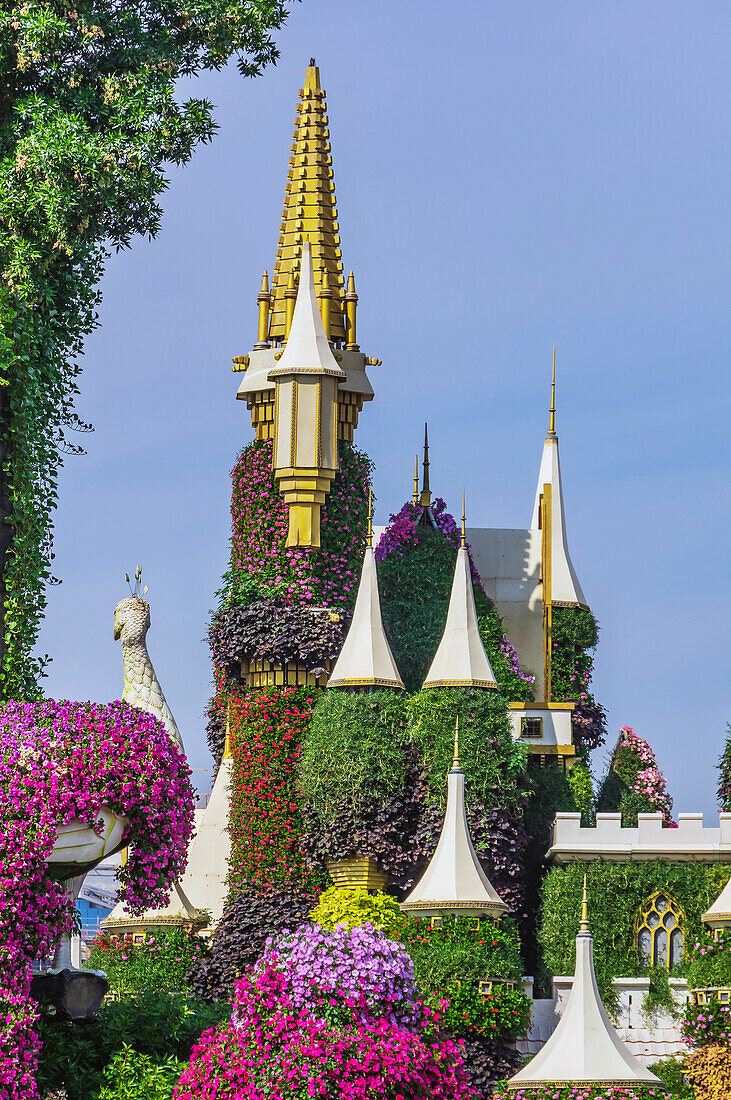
(508, 175)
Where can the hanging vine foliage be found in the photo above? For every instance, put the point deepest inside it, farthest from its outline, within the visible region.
(88, 122)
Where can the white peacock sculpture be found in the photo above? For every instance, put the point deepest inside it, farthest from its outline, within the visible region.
(141, 685)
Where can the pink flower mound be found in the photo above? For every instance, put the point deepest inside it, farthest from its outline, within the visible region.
(60, 761)
(277, 1051)
(649, 782)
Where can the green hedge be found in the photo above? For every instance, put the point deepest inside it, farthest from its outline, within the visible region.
(492, 761)
(574, 626)
(616, 893)
(353, 749)
(159, 965)
(462, 950)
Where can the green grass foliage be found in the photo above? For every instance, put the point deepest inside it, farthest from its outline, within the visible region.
(616, 893)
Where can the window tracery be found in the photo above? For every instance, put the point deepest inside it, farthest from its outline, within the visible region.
(659, 932)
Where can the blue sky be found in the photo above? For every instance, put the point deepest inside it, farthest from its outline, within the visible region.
(508, 175)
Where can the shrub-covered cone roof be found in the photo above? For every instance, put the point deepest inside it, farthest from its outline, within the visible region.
(460, 660)
(307, 350)
(366, 659)
(565, 587)
(719, 914)
(584, 1048)
(454, 881)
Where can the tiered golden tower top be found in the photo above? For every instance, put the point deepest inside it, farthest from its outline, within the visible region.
(309, 214)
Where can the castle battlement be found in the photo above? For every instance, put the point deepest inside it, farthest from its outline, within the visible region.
(692, 840)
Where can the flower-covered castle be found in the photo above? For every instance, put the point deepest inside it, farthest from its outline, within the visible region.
(344, 657)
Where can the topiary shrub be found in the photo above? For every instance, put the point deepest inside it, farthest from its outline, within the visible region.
(706, 1024)
(634, 783)
(487, 1063)
(709, 1072)
(351, 907)
(588, 724)
(582, 789)
(240, 935)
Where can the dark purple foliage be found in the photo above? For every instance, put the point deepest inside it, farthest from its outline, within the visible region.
(239, 938)
(588, 724)
(271, 630)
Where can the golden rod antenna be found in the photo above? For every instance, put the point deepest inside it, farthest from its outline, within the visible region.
(584, 929)
(455, 759)
(415, 493)
(370, 516)
(552, 410)
(463, 536)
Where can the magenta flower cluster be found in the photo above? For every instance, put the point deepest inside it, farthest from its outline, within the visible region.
(263, 567)
(302, 1028)
(277, 1051)
(357, 962)
(61, 761)
(649, 781)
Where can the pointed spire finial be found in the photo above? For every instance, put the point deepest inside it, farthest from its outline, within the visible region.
(552, 410)
(455, 759)
(425, 499)
(415, 494)
(463, 536)
(370, 516)
(584, 929)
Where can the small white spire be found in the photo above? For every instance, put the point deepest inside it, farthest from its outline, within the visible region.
(308, 350)
(565, 587)
(460, 660)
(719, 915)
(366, 659)
(584, 1048)
(454, 881)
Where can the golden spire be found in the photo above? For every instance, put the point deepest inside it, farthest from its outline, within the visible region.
(425, 498)
(584, 929)
(309, 212)
(351, 307)
(552, 410)
(463, 536)
(370, 516)
(455, 758)
(415, 494)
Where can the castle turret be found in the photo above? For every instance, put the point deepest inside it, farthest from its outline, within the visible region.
(584, 1048)
(454, 881)
(461, 660)
(366, 660)
(565, 589)
(309, 214)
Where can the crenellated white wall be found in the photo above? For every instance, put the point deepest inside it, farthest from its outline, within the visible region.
(691, 841)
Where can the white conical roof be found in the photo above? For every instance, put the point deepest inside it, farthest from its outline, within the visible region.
(565, 587)
(460, 660)
(585, 1047)
(366, 659)
(454, 881)
(308, 350)
(719, 915)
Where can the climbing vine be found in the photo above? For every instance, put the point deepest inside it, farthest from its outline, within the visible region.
(86, 131)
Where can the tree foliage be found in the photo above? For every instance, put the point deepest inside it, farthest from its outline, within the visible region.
(89, 120)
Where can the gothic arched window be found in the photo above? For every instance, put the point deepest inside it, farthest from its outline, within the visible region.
(659, 931)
